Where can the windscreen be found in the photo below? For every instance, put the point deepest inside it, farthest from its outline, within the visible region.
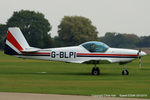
(94, 46)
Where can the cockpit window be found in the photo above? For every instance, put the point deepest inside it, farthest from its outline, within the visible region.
(94, 46)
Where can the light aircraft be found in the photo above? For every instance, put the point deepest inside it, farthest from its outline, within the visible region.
(92, 52)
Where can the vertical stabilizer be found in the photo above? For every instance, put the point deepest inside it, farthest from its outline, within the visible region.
(15, 42)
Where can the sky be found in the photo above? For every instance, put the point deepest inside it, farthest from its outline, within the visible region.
(122, 16)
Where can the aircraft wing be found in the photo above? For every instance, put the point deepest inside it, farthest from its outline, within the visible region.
(97, 62)
(93, 61)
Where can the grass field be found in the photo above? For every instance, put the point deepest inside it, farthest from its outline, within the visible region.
(24, 75)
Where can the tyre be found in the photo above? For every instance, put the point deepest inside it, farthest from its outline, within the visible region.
(95, 71)
(125, 72)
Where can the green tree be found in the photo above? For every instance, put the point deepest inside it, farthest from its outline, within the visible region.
(74, 30)
(57, 42)
(144, 41)
(130, 40)
(34, 27)
(120, 40)
(109, 39)
(3, 32)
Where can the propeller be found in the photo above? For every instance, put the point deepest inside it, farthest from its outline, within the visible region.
(139, 57)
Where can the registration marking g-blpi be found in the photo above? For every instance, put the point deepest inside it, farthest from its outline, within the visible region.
(63, 54)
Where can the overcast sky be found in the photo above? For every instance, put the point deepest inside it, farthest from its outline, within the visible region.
(124, 16)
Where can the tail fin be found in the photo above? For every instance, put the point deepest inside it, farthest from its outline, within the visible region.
(15, 42)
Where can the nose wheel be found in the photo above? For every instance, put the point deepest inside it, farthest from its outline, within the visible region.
(95, 70)
(125, 71)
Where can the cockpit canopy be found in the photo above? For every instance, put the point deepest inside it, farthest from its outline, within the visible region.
(94, 46)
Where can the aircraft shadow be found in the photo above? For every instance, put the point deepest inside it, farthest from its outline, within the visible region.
(85, 74)
(49, 73)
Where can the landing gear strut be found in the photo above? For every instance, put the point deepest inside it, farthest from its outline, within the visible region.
(125, 71)
(95, 70)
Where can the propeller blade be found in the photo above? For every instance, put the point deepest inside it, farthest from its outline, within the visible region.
(139, 52)
(139, 58)
(140, 62)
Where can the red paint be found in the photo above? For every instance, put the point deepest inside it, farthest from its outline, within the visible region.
(44, 53)
(13, 41)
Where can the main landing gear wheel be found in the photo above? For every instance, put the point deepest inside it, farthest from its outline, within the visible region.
(95, 70)
(125, 71)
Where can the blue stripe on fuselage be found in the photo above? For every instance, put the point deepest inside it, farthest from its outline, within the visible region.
(107, 56)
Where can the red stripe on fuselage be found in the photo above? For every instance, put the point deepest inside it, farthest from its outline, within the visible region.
(13, 41)
(95, 54)
(37, 53)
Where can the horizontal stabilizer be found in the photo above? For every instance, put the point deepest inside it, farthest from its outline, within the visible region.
(31, 49)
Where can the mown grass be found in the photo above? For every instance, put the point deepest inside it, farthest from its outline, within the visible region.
(26, 75)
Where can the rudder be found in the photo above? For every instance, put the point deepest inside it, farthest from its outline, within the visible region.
(15, 42)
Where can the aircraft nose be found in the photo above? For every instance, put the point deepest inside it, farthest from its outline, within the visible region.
(142, 53)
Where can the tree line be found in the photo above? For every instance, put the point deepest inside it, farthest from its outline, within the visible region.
(72, 30)
(123, 40)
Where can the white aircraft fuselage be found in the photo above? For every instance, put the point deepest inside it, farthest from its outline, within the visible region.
(78, 54)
